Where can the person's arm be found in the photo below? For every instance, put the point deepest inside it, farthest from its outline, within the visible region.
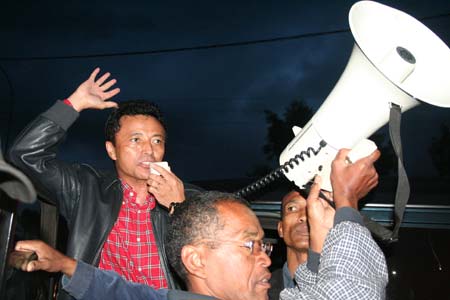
(89, 282)
(320, 220)
(306, 273)
(35, 149)
(83, 281)
(351, 265)
(47, 258)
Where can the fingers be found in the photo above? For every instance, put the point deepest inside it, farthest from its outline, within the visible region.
(31, 246)
(104, 86)
(342, 155)
(110, 104)
(374, 156)
(161, 170)
(353, 181)
(367, 163)
(35, 265)
(373, 182)
(108, 84)
(156, 183)
(111, 93)
(327, 194)
(27, 245)
(315, 189)
(166, 187)
(157, 179)
(94, 74)
(102, 79)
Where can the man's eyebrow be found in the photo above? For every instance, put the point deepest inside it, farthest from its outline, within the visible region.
(249, 234)
(139, 133)
(159, 135)
(293, 200)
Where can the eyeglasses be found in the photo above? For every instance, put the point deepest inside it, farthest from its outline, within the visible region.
(261, 246)
(255, 246)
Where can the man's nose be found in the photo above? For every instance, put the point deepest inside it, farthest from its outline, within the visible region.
(301, 218)
(265, 259)
(148, 148)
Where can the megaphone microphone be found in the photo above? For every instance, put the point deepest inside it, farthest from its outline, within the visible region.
(396, 63)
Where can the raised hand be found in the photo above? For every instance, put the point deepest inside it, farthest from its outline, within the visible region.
(93, 93)
(352, 181)
(320, 216)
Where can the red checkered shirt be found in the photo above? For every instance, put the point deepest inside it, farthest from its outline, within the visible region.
(130, 248)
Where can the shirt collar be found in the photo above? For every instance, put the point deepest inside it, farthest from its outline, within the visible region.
(130, 196)
(288, 281)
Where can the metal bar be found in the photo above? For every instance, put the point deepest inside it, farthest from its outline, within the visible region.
(419, 216)
(7, 224)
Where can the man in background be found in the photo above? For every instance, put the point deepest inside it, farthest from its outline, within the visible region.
(293, 229)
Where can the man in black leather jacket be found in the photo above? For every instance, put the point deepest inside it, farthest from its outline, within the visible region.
(92, 201)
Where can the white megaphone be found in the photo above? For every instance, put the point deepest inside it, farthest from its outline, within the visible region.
(395, 60)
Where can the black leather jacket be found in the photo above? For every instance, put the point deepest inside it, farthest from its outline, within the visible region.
(88, 199)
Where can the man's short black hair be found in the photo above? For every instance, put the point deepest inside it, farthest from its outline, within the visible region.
(130, 108)
(195, 219)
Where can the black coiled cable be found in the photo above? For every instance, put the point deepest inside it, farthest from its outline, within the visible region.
(278, 172)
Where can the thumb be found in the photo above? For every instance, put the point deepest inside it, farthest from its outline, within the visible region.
(109, 104)
(36, 265)
(342, 154)
(32, 266)
(374, 156)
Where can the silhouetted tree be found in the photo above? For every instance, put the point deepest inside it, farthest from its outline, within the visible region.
(279, 131)
(440, 151)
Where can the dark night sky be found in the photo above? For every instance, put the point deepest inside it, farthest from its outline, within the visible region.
(213, 98)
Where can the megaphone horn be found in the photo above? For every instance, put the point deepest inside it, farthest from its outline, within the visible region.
(395, 60)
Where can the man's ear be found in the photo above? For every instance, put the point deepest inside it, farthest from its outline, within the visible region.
(280, 229)
(193, 259)
(111, 150)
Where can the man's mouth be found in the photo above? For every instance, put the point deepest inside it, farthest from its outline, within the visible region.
(302, 229)
(264, 281)
(145, 164)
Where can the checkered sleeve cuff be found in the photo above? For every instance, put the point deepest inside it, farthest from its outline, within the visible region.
(347, 214)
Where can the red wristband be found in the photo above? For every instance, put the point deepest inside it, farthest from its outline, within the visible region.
(67, 101)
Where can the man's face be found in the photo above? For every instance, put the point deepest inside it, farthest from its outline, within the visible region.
(139, 141)
(293, 227)
(233, 272)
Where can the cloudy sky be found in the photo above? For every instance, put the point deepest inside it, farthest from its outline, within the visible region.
(212, 66)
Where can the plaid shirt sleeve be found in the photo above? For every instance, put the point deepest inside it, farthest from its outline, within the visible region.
(305, 277)
(306, 273)
(352, 266)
